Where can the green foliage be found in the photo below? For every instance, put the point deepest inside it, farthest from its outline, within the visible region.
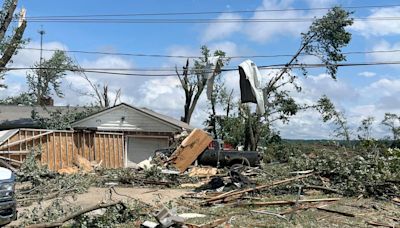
(329, 112)
(118, 214)
(61, 119)
(45, 81)
(51, 213)
(392, 121)
(327, 36)
(21, 99)
(31, 170)
(371, 173)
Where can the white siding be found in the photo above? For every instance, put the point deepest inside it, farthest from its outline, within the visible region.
(140, 149)
(125, 118)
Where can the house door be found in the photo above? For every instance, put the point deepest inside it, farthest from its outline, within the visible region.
(141, 148)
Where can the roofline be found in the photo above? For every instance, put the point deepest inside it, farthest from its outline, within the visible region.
(130, 106)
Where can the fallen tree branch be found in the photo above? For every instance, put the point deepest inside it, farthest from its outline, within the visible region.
(337, 212)
(286, 202)
(323, 189)
(372, 223)
(236, 193)
(75, 214)
(270, 213)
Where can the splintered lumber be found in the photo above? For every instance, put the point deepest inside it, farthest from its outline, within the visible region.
(287, 202)
(238, 193)
(190, 148)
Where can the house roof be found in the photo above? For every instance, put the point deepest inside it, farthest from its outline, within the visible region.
(148, 112)
(20, 116)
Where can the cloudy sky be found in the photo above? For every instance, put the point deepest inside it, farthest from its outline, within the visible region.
(358, 91)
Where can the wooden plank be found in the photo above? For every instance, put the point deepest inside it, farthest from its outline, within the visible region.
(20, 145)
(63, 151)
(109, 152)
(118, 151)
(114, 152)
(122, 145)
(94, 147)
(24, 140)
(66, 148)
(13, 152)
(104, 151)
(190, 148)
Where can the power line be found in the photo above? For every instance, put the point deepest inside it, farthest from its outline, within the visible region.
(193, 57)
(197, 20)
(114, 71)
(208, 12)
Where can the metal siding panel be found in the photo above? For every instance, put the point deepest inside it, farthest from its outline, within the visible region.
(140, 149)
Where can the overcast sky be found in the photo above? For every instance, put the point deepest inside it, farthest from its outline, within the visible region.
(358, 91)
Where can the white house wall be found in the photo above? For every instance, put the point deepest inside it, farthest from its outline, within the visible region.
(124, 118)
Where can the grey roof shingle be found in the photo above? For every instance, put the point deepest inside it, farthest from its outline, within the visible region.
(19, 116)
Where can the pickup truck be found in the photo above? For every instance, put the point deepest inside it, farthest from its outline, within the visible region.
(8, 211)
(215, 155)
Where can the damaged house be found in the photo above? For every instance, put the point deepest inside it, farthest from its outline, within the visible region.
(117, 136)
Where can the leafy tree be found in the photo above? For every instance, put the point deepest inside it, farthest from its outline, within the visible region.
(193, 81)
(392, 121)
(325, 39)
(329, 112)
(365, 128)
(9, 44)
(45, 79)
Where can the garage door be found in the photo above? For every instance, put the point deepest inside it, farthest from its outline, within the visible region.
(140, 149)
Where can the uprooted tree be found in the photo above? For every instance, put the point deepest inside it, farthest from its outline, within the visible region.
(10, 43)
(325, 39)
(194, 80)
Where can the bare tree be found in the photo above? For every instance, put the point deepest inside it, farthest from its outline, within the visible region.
(101, 93)
(194, 81)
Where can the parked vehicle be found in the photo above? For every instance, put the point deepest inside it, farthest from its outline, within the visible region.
(8, 211)
(215, 155)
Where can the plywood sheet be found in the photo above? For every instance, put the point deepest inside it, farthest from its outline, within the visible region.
(190, 149)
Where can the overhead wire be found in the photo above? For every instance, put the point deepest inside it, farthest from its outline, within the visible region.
(134, 71)
(195, 57)
(198, 20)
(210, 12)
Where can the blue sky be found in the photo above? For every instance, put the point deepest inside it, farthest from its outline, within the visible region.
(359, 91)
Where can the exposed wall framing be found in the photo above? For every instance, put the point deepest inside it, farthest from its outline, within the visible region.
(60, 147)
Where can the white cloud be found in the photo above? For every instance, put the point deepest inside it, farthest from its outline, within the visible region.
(218, 31)
(385, 56)
(374, 27)
(367, 74)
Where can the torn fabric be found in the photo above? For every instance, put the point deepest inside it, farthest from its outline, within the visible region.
(250, 88)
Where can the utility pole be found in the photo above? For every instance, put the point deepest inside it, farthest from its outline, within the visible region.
(41, 32)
